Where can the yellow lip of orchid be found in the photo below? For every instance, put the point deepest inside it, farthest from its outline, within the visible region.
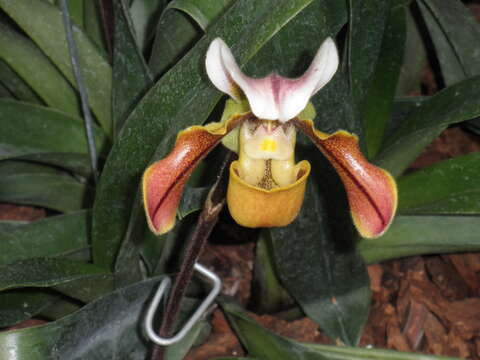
(266, 186)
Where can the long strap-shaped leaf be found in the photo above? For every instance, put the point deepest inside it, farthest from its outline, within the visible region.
(34, 184)
(32, 129)
(16, 86)
(44, 272)
(381, 92)
(58, 235)
(417, 235)
(26, 59)
(454, 32)
(453, 188)
(104, 329)
(42, 21)
(131, 76)
(454, 104)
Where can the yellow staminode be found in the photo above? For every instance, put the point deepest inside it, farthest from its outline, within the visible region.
(268, 145)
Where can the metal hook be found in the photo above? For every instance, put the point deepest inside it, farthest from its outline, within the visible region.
(162, 289)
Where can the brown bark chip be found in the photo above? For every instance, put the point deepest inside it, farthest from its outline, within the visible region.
(415, 324)
(467, 266)
(221, 342)
(445, 276)
(435, 335)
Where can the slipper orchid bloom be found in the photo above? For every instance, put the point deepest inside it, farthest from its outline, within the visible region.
(266, 187)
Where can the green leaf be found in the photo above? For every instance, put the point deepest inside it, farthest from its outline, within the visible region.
(367, 23)
(131, 76)
(45, 272)
(175, 35)
(179, 350)
(16, 85)
(19, 305)
(414, 59)
(417, 235)
(449, 187)
(380, 96)
(156, 251)
(53, 236)
(47, 31)
(291, 50)
(160, 251)
(192, 200)
(5, 93)
(317, 263)
(350, 353)
(454, 32)
(93, 23)
(144, 15)
(61, 308)
(75, 163)
(30, 129)
(127, 262)
(266, 345)
(400, 3)
(26, 59)
(454, 104)
(76, 11)
(183, 97)
(104, 329)
(203, 12)
(87, 288)
(402, 107)
(268, 295)
(316, 258)
(35, 184)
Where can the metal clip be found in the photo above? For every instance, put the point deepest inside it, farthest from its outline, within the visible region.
(162, 289)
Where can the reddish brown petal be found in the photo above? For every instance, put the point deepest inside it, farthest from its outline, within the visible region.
(164, 180)
(371, 191)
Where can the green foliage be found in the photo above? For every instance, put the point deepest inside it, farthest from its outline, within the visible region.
(86, 266)
(47, 31)
(423, 234)
(264, 344)
(322, 265)
(384, 81)
(35, 184)
(61, 235)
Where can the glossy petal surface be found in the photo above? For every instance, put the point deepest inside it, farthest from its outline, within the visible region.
(272, 97)
(252, 206)
(164, 180)
(371, 191)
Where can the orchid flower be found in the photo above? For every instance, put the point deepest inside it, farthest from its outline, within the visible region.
(266, 187)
